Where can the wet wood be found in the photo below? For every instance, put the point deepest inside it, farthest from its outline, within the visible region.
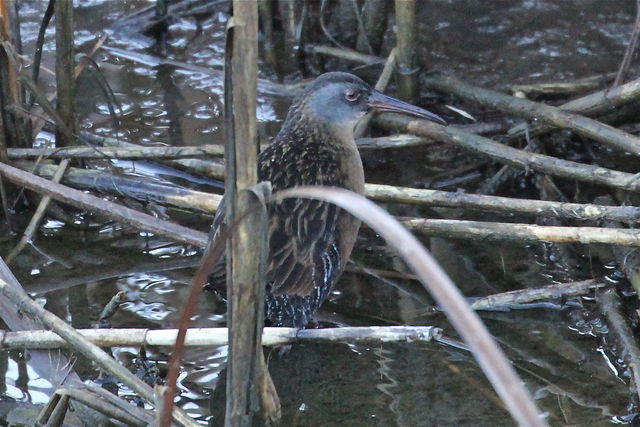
(37, 217)
(107, 209)
(512, 156)
(610, 305)
(141, 189)
(535, 111)
(79, 344)
(508, 300)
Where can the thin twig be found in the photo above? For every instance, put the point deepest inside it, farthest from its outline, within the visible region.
(36, 219)
(631, 50)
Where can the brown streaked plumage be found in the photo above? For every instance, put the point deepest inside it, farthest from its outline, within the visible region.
(310, 241)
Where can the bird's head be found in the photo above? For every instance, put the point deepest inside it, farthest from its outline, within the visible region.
(338, 100)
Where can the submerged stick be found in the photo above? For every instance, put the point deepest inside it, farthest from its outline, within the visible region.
(630, 352)
(28, 233)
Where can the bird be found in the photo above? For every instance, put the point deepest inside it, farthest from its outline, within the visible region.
(309, 241)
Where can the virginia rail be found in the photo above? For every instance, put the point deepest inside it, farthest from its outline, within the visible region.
(310, 241)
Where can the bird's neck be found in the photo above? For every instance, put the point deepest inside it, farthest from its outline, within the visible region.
(332, 153)
(308, 130)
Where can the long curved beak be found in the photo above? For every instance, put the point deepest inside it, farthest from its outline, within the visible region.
(381, 102)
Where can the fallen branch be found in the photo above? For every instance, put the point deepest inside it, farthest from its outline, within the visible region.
(563, 88)
(213, 337)
(137, 188)
(513, 156)
(505, 205)
(130, 153)
(536, 111)
(478, 230)
(26, 305)
(103, 207)
(507, 300)
(346, 54)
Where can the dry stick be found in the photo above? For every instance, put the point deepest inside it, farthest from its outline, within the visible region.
(27, 235)
(102, 207)
(204, 167)
(215, 337)
(631, 50)
(506, 205)
(523, 296)
(249, 386)
(611, 307)
(346, 54)
(184, 198)
(563, 88)
(128, 153)
(144, 190)
(65, 81)
(535, 111)
(408, 68)
(26, 305)
(105, 408)
(392, 141)
(513, 156)
(478, 230)
(489, 356)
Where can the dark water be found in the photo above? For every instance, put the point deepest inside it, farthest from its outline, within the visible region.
(76, 268)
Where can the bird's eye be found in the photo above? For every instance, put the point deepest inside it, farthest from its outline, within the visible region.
(351, 95)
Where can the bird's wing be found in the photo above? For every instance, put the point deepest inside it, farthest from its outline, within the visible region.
(300, 232)
(218, 276)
